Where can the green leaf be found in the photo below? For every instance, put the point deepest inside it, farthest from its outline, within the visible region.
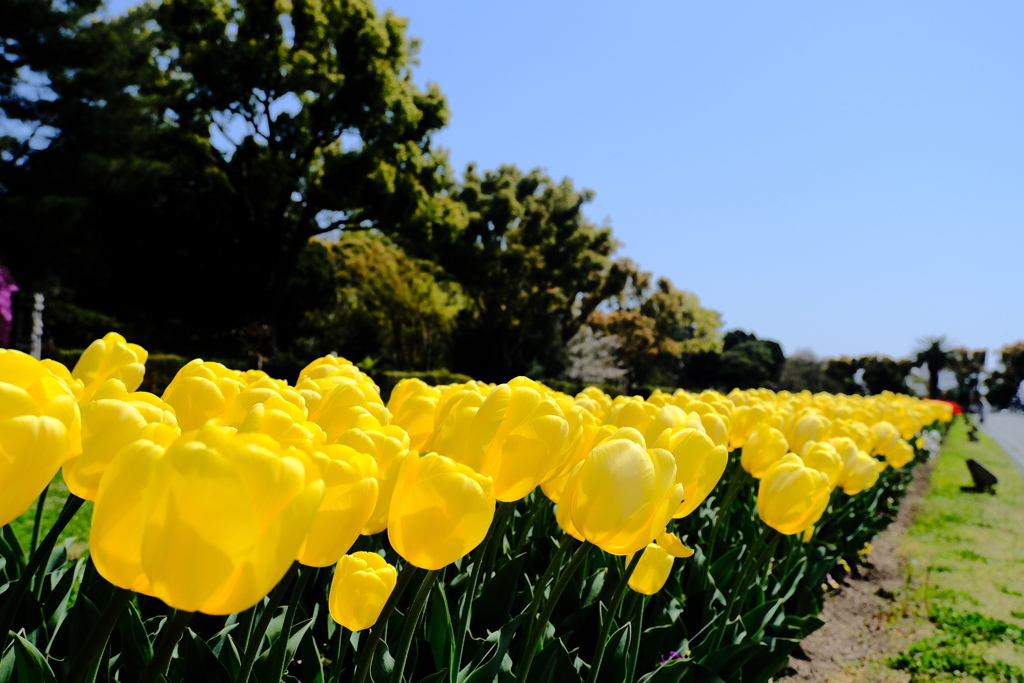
(11, 551)
(498, 596)
(553, 665)
(441, 675)
(440, 632)
(488, 671)
(30, 663)
(197, 662)
(312, 662)
(136, 647)
(617, 655)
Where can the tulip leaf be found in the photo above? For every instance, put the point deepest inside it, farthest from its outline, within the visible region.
(11, 551)
(498, 596)
(727, 660)
(592, 588)
(438, 677)
(7, 666)
(197, 662)
(617, 657)
(553, 665)
(440, 632)
(312, 662)
(55, 607)
(488, 671)
(756, 619)
(136, 647)
(30, 663)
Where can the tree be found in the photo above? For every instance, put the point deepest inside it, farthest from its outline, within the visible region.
(968, 367)
(882, 373)
(656, 325)
(389, 307)
(254, 126)
(935, 353)
(748, 362)
(841, 376)
(803, 372)
(531, 264)
(1004, 384)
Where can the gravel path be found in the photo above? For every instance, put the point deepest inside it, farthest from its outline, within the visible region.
(1007, 429)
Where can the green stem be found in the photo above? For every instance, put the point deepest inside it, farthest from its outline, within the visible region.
(277, 655)
(538, 508)
(636, 617)
(731, 491)
(38, 521)
(505, 511)
(39, 558)
(366, 650)
(755, 555)
(536, 630)
(340, 650)
(466, 607)
(409, 629)
(251, 646)
(83, 666)
(169, 637)
(609, 618)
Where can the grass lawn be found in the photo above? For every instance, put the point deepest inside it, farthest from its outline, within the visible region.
(55, 497)
(966, 571)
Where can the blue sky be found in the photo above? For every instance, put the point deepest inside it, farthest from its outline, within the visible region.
(845, 177)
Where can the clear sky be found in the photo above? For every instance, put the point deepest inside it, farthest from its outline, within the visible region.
(841, 176)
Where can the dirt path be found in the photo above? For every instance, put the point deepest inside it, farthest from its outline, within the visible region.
(857, 618)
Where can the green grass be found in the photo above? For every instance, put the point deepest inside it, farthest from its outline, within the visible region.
(55, 497)
(971, 596)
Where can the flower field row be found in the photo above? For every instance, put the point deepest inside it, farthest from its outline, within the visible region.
(246, 529)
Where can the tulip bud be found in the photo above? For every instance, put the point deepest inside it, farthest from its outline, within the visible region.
(699, 465)
(362, 584)
(412, 405)
(792, 496)
(111, 421)
(764, 448)
(899, 454)
(823, 457)
(440, 511)
(201, 391)
(350, 494)
(111, 357)
(810, 426)
(623, 494)
(40, 429)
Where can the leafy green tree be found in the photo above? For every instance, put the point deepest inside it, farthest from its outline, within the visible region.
(882, 373)
(841, 376)
(803, 371)
(531, 264)
(656, 325)
(968, 367)
(203, 143)
(748, 362)
(389, 306)
(1004, 383)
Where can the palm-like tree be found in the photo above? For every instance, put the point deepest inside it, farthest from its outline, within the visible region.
(936, 353)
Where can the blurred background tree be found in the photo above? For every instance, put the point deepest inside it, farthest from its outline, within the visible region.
(1004, 383)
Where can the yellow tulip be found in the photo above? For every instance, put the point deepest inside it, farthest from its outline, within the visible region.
(111, 357)
(823, 457)
(699, 465)
(40, 430)
(899, 454)
(745, 419)
(412, 405)
(763, 448)
(440, 511)
(808, 426)
(345, 405)
(362, 584)
(284, 422)
(389, 447)
(350, 494)
(861, 475)
(623, 494)
(885, 436)
(792, 497)
(592, 435)
(209, 525)
(113, 419)
(201, 391)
